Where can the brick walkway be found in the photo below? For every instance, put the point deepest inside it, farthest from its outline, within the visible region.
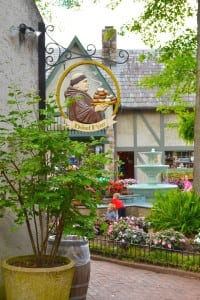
(111, 281)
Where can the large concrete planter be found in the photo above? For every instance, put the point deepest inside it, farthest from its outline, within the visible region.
(50, 283)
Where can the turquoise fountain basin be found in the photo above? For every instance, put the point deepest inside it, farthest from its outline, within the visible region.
(148, 190)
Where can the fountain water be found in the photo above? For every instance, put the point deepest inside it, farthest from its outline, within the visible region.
(151, 169)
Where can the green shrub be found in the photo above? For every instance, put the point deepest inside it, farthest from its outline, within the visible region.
(37, 179)
(176, 210)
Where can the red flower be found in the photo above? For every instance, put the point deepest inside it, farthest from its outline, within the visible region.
(115, 186)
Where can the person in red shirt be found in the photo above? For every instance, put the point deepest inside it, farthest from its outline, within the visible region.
(119, 205)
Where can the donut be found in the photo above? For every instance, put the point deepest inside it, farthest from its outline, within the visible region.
(102, 93)
(100, 89)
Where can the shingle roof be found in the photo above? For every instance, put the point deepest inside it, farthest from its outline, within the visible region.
(129, 75)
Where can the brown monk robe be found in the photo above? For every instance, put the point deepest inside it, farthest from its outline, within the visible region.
(82, 110)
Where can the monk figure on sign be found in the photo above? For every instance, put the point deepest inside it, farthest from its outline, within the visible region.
(81, 108)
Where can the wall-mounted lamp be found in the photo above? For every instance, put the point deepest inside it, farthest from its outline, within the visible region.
(24, 32)
(23, 28)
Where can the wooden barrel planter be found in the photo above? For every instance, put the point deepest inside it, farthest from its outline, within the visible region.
(77, 249)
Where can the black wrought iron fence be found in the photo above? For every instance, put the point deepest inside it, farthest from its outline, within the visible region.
(188, 261)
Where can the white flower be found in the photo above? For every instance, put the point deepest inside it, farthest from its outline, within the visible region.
(197, 239)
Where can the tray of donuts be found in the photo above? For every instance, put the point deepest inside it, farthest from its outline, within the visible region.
(102, 96)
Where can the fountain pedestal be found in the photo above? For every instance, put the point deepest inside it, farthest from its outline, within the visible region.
(151, 169)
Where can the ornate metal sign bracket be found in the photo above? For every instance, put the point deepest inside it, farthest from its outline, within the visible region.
(56, 54)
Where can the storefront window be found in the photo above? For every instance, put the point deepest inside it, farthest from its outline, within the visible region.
(179, 159)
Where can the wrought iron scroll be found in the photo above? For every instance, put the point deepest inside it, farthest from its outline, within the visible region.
(56, 54)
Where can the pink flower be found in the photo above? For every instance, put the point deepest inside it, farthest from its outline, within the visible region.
(182, 240)
(155, 242)
(169, 246)
(90, 189)
(110, 229)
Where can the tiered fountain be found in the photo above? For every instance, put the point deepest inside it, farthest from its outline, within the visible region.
(152, 168)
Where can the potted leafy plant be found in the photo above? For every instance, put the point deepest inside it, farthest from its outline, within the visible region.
(39, 182)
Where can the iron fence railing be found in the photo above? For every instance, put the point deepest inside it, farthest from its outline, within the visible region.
(188, 261)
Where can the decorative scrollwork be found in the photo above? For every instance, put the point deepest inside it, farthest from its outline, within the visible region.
(57, 54)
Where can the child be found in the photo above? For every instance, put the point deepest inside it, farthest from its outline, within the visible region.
(187, 184)
(119, 204)
(111, 212)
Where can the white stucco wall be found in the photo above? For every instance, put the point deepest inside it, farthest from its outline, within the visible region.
(125, 130)
(148, 129)
(18, 62)
(18, 65)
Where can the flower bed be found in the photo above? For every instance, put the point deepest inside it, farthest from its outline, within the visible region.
(179, 259)
(119, 186)
(135, 230)
(132, 239)
(177, 174)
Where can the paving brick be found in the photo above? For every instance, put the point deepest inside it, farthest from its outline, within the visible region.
(111, 281)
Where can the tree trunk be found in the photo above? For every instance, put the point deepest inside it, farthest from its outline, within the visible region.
(197, 114)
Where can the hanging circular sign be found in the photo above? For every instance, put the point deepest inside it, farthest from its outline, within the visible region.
(86, 105)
